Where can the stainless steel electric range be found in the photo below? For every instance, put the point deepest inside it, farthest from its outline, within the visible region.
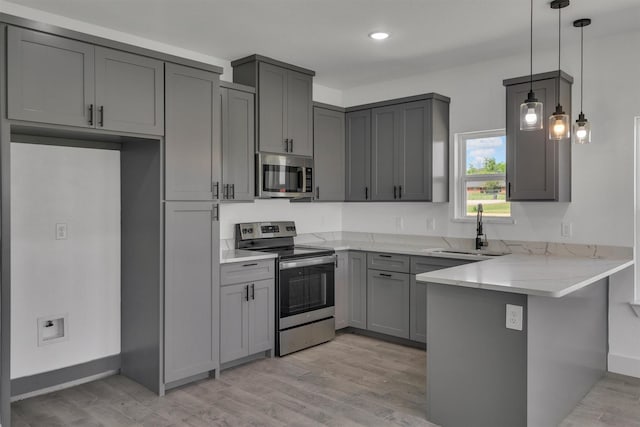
(305, 284)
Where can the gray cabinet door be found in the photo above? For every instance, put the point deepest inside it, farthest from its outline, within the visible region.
(49, 79)
(238, 145)
(537, 169)
(342, 291)
(328, 155)
(414, 152)
(192, 142)
(261, 315)
(385, 134)
(300, 113)
(272, 108)
(234, 322)
(129, 92)
(358, 155)
(358, 290)
(388, 303)
(191, 307)
(418, 311)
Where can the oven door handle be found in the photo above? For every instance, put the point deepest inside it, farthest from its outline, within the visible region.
(307, 262)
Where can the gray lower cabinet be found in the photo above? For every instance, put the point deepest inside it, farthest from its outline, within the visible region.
(537, 169)
(192, 142)
(342, 290)
(358, 155)
(129, 92)
(247, 309)
(329, 154)
(49, 79)
(191, 291)
(388, 303)
(418, 292)
(57, 80)
(238, 144)
(358, 290)
(246, 319)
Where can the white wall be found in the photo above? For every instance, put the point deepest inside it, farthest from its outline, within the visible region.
(79, 276)
(602, 178)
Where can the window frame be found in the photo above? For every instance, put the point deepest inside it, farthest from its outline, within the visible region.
(461, 177)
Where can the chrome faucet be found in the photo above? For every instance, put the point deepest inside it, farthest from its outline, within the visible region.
(479, 234)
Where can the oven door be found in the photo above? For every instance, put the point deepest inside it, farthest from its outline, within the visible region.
(306, 290)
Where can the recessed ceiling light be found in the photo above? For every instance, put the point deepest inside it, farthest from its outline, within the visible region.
(378, 35)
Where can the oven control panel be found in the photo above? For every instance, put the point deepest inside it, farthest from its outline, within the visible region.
(261, 230)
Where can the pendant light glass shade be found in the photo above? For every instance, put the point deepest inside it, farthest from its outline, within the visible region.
(559, 125)
(582, 130)
(531, 114)
(531, 110)
(559, 122)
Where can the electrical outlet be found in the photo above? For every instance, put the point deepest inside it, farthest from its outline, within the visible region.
(399, 223)
(566, 229)
(514, 317)
(431, 224)
(61, 231)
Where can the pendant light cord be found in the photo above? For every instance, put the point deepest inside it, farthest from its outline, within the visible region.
(559, 72)
(531, 50)
(581, 66)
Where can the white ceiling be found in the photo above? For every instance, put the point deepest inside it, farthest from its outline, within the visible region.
(330, 36)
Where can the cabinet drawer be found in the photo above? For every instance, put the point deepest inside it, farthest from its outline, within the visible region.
(388, 262)
(249, 271)
(423, 264)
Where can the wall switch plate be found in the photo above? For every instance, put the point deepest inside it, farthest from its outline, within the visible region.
(52, 329)
(514, 317)
(566, 229)
(61, 231)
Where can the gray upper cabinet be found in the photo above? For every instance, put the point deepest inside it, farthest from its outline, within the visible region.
(537, 169)
(238, 145)
(329, 154)
(50, 79)
(192, 253)
(388, 303)
(129, 92)
(408, 146)
(61, 81)
(192, 142)
(358, 155)
(385, 135)
(284, 103)
(358, 290)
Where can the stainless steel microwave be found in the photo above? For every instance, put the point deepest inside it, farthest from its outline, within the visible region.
(283, 176)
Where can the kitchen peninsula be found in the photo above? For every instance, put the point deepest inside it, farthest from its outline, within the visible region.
(516, 340)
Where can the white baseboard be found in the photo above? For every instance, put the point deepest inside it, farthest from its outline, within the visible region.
(625, 365)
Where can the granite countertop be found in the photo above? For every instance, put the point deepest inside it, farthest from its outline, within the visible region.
(541, 275)
(401, 249)
(241, 255)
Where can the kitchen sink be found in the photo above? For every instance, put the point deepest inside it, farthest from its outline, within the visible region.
(469, 252)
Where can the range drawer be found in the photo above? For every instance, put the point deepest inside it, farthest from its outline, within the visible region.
(424, 264)
(248, 271)
(388, 262)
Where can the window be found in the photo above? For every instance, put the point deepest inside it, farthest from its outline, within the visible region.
(481, 178)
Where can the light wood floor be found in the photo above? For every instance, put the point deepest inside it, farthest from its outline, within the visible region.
(351, 381)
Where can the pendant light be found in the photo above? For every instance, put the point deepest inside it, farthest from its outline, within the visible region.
(559, 125)
(531, 110)
(582, 128)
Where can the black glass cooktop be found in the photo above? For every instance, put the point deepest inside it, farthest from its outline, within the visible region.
(292, 252)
